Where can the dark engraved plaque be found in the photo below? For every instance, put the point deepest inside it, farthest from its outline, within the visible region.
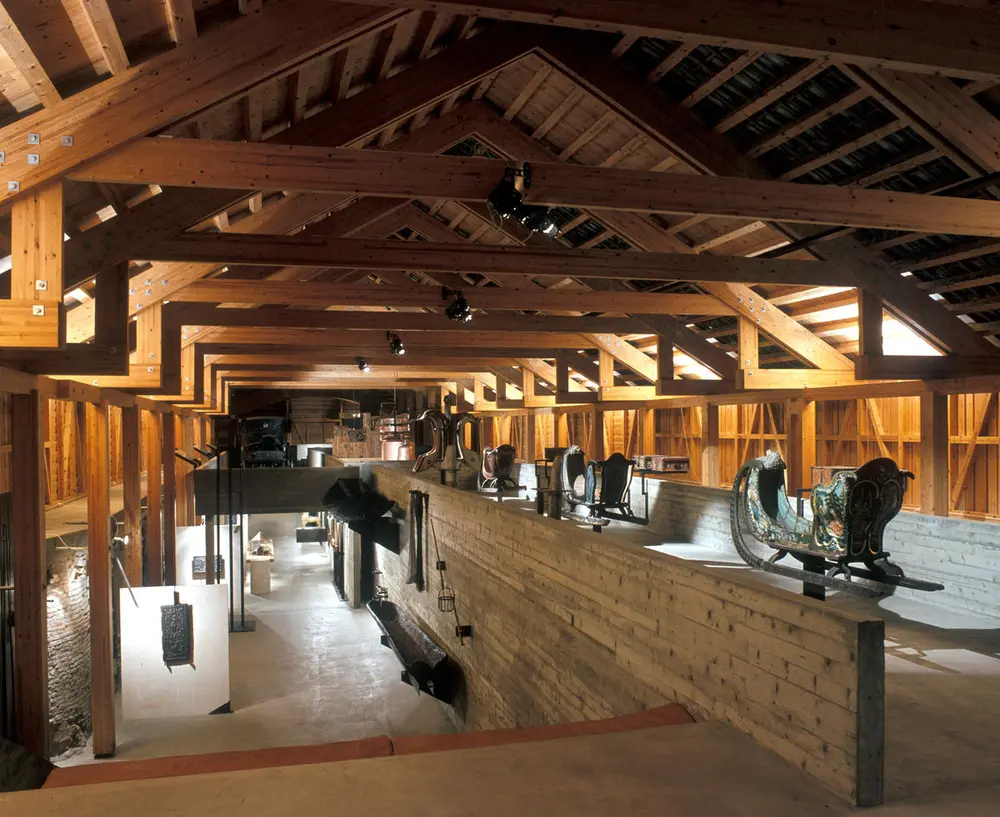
(198, 567)
(177, 633)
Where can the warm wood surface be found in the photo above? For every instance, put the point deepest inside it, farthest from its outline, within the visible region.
(102, 684)
(31, 654)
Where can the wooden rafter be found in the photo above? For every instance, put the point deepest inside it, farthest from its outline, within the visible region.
(21, 54)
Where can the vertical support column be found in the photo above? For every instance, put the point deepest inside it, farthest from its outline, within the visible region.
(749, 343)
(664, 362)
(710, 445)
(869, 324)
(210, 550)
(531, 438)
(934, 454)
(169, 502)
(31, 653)
(648, 416)
(597, 417)
(132, 493)
(801, 427)
(33, 316)
(181, 470)
(102, 685)
(154, 537)
(187, 423)
(605, 369)
(562, 430)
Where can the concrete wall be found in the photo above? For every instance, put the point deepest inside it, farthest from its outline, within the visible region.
(961, 554)
(572, 626)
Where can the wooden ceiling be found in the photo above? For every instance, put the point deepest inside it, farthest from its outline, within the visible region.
(690, 132)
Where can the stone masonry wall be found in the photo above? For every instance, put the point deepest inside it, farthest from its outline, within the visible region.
(69, 649)
(568, 625)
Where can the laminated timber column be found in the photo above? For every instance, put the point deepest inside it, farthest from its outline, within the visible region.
(132, 493)
(168, 439)
(154, 539)
(30, 317)
(934, 454)
(801, 427)
(710, 445)
(31, 665)
(184, 431)
(530, 438)
(102, 684)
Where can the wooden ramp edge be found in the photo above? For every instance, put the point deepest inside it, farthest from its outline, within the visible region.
(184, 765)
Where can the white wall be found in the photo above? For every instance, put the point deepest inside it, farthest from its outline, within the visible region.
(150, 689)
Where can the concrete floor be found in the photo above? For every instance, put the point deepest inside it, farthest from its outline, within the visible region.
(312, 672)
(674, 770)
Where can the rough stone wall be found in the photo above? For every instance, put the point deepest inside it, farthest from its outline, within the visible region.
(69, 649)
(569, 625)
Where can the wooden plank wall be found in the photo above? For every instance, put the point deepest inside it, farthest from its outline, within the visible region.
(576, 628)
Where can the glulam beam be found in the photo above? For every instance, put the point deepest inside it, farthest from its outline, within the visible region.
(249, 165)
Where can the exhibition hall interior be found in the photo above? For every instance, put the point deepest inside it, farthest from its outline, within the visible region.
(558, 408)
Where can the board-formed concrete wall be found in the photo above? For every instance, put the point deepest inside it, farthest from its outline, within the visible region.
(568, 626)
(962, 554)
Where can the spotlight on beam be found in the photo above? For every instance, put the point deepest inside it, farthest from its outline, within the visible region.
(395, 343)
(538, 219)
(459, 309)
(505, 200)
(363, 365)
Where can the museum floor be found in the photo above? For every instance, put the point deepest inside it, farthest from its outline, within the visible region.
(312, 672)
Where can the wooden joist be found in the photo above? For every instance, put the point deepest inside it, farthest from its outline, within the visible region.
(21, 54)
(240, 165)
(434, 257)
(906, 34)
(314, 293)
(139, 101)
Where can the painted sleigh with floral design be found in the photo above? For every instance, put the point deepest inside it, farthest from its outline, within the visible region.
(840, 547)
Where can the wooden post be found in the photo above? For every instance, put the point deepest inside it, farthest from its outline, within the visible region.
(181, 471)
(31, 653)
(210, 577)
(102, 684)
(801, 426)
(749, 343)
(869, 324)
(934, 454)
(664, 361)
(132, 493)
(530, 437)
(169, 502)
(649, 431)
(154, 539)
(33, 315)
(710, 446)
(605, 369)
(597, 417)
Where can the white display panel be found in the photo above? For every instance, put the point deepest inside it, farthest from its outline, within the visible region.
(150, 688)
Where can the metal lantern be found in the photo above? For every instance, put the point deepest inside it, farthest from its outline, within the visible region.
(446, 599)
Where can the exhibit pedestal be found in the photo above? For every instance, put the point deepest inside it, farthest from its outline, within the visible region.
(260, 575)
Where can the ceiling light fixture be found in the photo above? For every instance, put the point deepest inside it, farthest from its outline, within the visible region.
(538, 219)
(363, 365)
(395, 343)
(506, 198)
(459, 309)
